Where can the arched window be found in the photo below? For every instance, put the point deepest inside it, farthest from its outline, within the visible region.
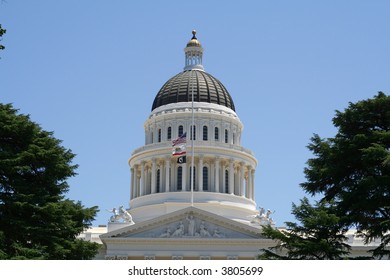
(158, 181)
(193, 132)
(205, 133)
(179, 178)
(226, 136)
(180, 130)
(159, 135)
(205, 178)
(216, 134)
(226, 181)
(169, 133)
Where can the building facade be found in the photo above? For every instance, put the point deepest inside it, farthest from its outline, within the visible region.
(201, 203)
(192, 184)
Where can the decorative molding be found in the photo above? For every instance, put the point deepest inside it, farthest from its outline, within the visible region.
(188, 223)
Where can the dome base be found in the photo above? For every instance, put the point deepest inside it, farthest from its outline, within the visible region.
(227, 205)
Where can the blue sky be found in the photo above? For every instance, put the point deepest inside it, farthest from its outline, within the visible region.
(89, 71)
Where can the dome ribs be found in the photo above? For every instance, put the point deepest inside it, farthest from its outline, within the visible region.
(206, 89)
(198, 93)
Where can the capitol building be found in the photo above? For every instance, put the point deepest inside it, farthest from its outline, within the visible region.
(192, 192)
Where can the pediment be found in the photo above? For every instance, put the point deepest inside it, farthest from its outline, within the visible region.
(190, 223)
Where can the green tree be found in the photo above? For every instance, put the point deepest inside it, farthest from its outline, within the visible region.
(2, 32)
(318, 236)
(36, 221)
(353, 169)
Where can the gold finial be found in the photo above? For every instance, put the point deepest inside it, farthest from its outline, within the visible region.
(193, 34)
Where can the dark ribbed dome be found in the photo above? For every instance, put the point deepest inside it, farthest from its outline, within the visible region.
(206, 89)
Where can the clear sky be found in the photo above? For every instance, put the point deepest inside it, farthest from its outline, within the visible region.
(89, 71)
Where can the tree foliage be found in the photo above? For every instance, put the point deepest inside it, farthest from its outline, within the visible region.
(2, 32)
(318, 236)
(36, 221)
(353, 168)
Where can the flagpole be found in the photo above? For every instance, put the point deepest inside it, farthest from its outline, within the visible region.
(192, 141)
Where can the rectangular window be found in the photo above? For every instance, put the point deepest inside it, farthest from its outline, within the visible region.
(205, 178)
(158, 181)
(169, 133)
(179, 178)
(226, 181)
(216, 134)
(180, 130)
(226, 136)
(205, 133)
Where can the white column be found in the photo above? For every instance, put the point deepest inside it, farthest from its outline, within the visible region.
(167, 167)
(242, 179)
(223, 180)
(153, 179)
(184, 178)
(217, 175)
(253, 185)
(173, 181)
(132, 189)
(161, 178)
(143, 179)
(134, 181)
(138, 183)
(148, 177)
(231, 177)
(248, 182)
(200, 172)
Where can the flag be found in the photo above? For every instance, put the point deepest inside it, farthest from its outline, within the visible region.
(179, 150)
(182, 139)
(181, 159)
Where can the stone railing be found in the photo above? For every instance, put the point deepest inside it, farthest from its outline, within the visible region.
(201, 144)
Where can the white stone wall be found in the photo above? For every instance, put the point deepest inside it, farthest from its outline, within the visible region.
(221, 167)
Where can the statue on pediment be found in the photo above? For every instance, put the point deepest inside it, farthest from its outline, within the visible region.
(263, 217)
(217, 233)
(125, 215)
(179, 232)
(120, 214)
(191, 225)
(166, 234)
(115, 215)
(203, 230)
